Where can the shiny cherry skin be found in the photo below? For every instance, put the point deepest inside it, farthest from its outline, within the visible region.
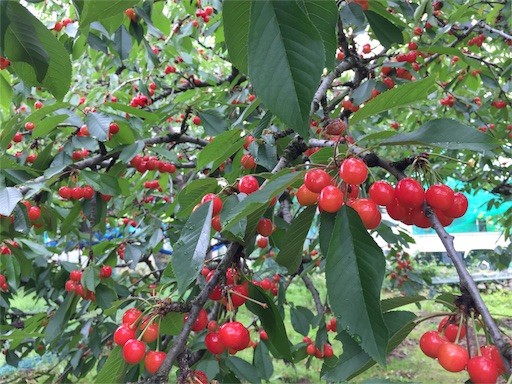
(330, 199)
(316, 180)
(305, 197)
(430, 342)
(459, 207)
(213, 343)
(123, 333)
(248, 184)
(134, 351)
(440, 196)
(452, 357)
(368, 212)
(234, 335)
(201, 321)
(382, 193)
(450, 330)
(353, 171)
(482, 370)
(153, 361)
(217, 202)
(409, 192)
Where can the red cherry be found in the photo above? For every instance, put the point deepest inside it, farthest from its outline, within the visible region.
(134, 351)
(459, 207)
(368, 212)
(328, 352)
(382, 193)
(248, 161)
(491, 352)
(265, 227)
(353, 171)
(266, 284)
(154, 360)
(65, 192)
(419, 219)
(367, 48)
(150, 332)
(482, 370)
(316, 180)
(248, 141)
(440, 196)
(231, 276)
(29, 126)
(113, 128)
(234, 335)
(66, 21)
(305, 197)
(18, 137)
(330, 199)
(237, 296)
(69, 286)
(77, 193)
(263, 335)
(201, 321)
(106, 272)
(248, 184)
(75, 275)
(198, 377)
(88, 192)
(58, 26)
(196, 120)
(38, 105)
(396, 211)
(311, 349)
(217, 202)
(452, 357)
(123, 333)
(131, 316)
(262, 242)
(34, 213)
(216, 225)
(409, 193)
(213, 343)
(450, 330)
(430, 342)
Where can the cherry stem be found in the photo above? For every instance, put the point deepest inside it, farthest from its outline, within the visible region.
(264, 305)
(459, 329)
(479, 353)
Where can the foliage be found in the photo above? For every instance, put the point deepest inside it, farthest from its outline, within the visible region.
(147, 106)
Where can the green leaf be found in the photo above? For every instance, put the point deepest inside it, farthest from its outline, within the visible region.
(114, 369)
(352, 13)
(59, 320)
(133, 111)
(286, 60)
(327, 222)
(172, 323)
(192, 195)
(47, 125)
(9, 197)
(213, 121)
(218, 148)
(6, 92)
(354, 258)
(98, 125)
(396, 302)
(271, 321)
(324, 15)
(11, 268)
(385, 31)
(242, 369)
(236, 17)
(22, 43)
(301, 318)
(446, 133)
(90, 278)
(262, 361)
(97, 10)
(122, 42)
(290, 254)
(397, 97)
(190, 250)
(130, 151)
(276, 185)
(132, 253)
(101, 182)
(322, 156)
(105, 296)
(267, 152)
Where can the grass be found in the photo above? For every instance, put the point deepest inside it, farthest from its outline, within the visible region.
(406, 364)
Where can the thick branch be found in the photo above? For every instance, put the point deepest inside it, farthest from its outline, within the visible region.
(314, 292)
(483, 25)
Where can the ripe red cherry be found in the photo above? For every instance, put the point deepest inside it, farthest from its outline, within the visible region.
(265, 227)
(239, 294)
(450, 330)
(150, 332)
(77, 193)
(217, 202)
(153, 361)
(491, 352)
(106, 272)
(75, 275)
(123, 333)
(196, 120)
(311, 349)
(29, 126)
(113, 128)
(131, 316)
(65, 192)
(353, 171)
(440, 196)
(234, 335)
(409, 193)
(368, 212)
(316, 180)
(459, 207)
(134, 351)
(198, 377)
(263, 335)
(382, 193)
(482, 370)
(70, 285)
(38, 105)
(367, 48)
(430, 342)
(328, 352)
(305, 197)
(88, 192)
(262, 242)
(452, 357)
(248, 161)
(213, 343)
(18, 137)
(34, 213)
(248, 141)
(201, 321)
(331, 199)
(248, 184)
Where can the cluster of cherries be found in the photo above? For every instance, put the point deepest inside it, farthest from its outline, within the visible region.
(3, 283)
(151, 163)
(74, 283)
(483, 368)
(403, 265)
(34, 212)
(76, 193)
(232, 336)
(327, 351)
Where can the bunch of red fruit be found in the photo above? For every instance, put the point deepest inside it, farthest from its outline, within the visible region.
(403, 264)
(74, 283)
(34, 212)
(140, 101)
(313, 350)
(483, 368)
(3, 283)
(151, 163)
(76, 193)
(232, 336)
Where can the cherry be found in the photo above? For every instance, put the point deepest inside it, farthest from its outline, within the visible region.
(419, 219)
(70, 285)
(237, 296)
(134, 351)
(459, 207)
(353, 171)
(66, 21)
(328, 351)
(248, 141)
(216, 225)
(331, 199)
(316, 180)
(65, 192)
(105, 272)
(263, 335)
(382, 193)
(305, 197)
(150, 332)
(396, 211)
(18, 137)
(88, 192)
(265, 227)
(113, 128)
(213, 343)
(75, 275)
(131, 316)
(491, 352)
(123, 333)
(154, 360)
(217, 202)
(440, 196)
(29, 126)
(38, 105)
(34, 213)
(452, 357)
(430, 342)
(262, 242)
(201, 321)
(248, 184)
(234, 335)
(450, 330)
(196, 120)
(311, 349)
(409, 192)
(482, 370)
(367, 48)
(199, 377)
(368, 211)
(231, 276)
(77, 193)
(248, 161)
